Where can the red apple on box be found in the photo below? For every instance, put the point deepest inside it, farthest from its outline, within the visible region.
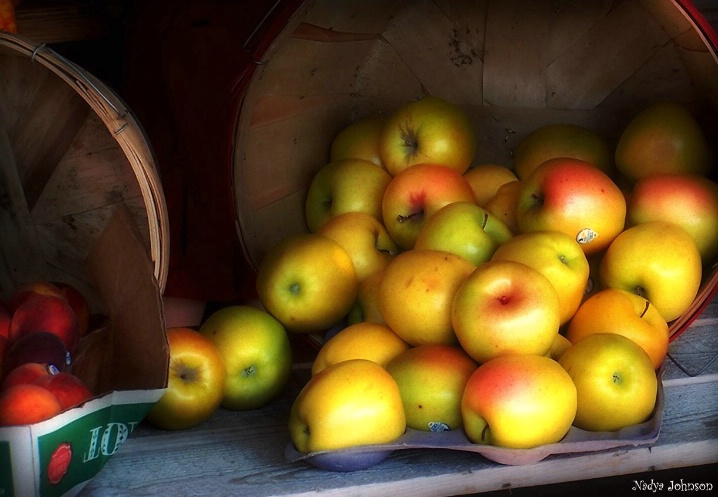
(41, 347)
(575, 197)
(415, 194)
(25, 373)
(40, 312)
(69, 390)
(27, 404)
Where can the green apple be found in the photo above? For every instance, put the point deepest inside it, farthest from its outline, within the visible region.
(308, 282)
(351, 403)
(658, 260)
(431, 380)
(465, 229)
(347, 185)
(429, 130)
(256, 352)
(557, 256)
(518, 402)
(359, 140)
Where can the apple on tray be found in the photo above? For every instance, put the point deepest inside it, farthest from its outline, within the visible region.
(486, 179)
(359, 140)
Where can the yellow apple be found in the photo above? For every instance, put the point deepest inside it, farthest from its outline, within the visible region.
(256, 353)
(663, 138)
(465, 229)
(359, 140)
(615, 382)
(505, 308)
(366, 305)
(559, 346)
(485, 180)
(431, 380)
(658, 260)
(365, 239)
(195, 381)
(351, 403)
(308, 282)
(618, 311)
(415, 194)
(561, 140)
(416, 292)
(503, 205)
(347, 185)
(518, 402)
(427, 130)
(558, 257)
(689, 200)
(575, 197)
(373, 341)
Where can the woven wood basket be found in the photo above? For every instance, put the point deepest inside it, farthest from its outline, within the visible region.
(513, 65)
(70, 153)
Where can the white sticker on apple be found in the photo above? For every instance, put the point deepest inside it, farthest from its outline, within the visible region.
(586, 235)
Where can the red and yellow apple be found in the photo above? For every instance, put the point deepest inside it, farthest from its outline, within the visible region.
(365, 239)
(347, 185)
(359, 140)
(558, 257)
(574, 197)
(504, 204)
(431, 381)
(689, 200)
(415, 194)
(43, 312)
(518, 402)
(615, 381)
(658, 260)
(464, 229)
(308, 282)
(618, 311)
(69, 390)
(256, 352)
(505, 308)
(354, 402)
(26, 404)
(428, 130)
(416, 292)
(25, 373)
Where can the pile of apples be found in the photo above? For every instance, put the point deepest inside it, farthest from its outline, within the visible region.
(41, 325)
(510, 302)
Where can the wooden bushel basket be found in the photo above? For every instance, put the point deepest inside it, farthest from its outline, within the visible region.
(512, 65)
(70, 152)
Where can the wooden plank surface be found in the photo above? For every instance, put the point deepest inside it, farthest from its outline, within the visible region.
(242, 453)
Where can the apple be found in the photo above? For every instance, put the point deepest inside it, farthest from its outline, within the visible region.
(308, 282)
(658, 260)
(485, 180)
(27, 404)
(615, 381)
(5, 318)
(22, 292)
(366, 305)
(373, 341)
(465, 229)
(41, 312)
(347, 185)
(518, 402)
(195, 382)
(359, 140)
(365, 239)
(26, 373)
(431, 381)
(558, 257)
(427, 130)
(663, 138)
(38, 347)
(69, 390)
(352, 403)
(559, 346)
(415, 194)
(575, 197)
(505, 308)
(79, 304)
(503, 205)
(416, 292)
(618, 311)
(256, 352)
(561, 140)
(689, 200)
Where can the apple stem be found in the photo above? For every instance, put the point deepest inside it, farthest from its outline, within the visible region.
(402, 218)
(645, 309)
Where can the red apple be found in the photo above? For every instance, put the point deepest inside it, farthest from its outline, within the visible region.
(416, 193)
(69, 390)
(575, 197)
(26, 404)
(40, 312)
(25, 373)
(23, 292)
(5, 318)
(41, 347)
(79, 304)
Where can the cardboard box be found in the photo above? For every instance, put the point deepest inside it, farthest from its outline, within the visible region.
(127, 359)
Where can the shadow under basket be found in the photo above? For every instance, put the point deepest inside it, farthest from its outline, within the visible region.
(511, 65)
